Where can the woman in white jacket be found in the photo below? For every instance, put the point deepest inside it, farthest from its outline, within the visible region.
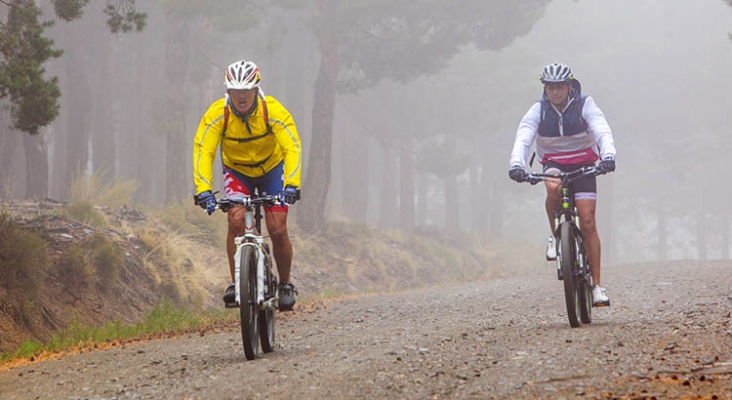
(570, 131)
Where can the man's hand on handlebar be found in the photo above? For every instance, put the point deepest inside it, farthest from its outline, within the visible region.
(290, 194)
(206, 200)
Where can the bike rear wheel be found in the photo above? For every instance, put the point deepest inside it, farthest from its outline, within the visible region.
(249, 307)
(267, 316)
(568, 262)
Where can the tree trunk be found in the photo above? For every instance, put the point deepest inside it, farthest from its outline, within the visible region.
(725, 236)
(79, 105)
(103, 155)
(496, 203)
(452, 205)
(150, 167)
(406, 185)
(36, 166)
(299, 91)
(423, 187)
(59, 188)
(477, 201)
(701, 235)
(177, 62)
(662, 230)
(311, 217)
(388, 213)
(354, 163)
(8, 144)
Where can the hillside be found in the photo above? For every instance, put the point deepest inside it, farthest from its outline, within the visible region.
(120, 263)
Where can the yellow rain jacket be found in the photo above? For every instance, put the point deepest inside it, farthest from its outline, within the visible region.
(247, 147)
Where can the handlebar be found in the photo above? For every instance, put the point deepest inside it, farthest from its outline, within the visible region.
(567, 177)
(225, 204)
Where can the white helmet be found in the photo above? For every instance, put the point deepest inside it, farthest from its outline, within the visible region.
(242, 75)
(556, 72)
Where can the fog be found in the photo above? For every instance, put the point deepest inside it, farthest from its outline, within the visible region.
(426, 151)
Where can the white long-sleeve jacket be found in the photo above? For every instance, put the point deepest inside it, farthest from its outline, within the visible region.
(584, 147)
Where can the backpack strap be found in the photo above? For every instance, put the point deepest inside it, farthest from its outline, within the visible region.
(264, 113)
(226, 118)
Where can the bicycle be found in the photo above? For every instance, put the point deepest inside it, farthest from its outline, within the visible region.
(254, 279)
(572, 266)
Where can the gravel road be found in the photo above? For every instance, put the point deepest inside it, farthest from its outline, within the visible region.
(667, 335)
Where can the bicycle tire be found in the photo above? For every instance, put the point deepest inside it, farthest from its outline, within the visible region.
(267, 316)
(568, 261)
(585, 284)
(248, 307)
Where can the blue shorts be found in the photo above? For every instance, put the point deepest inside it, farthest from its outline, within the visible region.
(237, 185)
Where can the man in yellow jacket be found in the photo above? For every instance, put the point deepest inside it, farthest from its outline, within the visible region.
(261, 151)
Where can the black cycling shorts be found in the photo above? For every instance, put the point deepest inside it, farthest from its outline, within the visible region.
(583, 188)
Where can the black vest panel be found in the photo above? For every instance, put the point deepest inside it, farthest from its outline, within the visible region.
(571, 119)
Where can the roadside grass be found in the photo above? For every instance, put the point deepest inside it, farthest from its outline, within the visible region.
(98, 188)
(190, 221)
(88, 190)
(387, 260)
(167, 258)
(328, 293)
(85, 213)
(24, 256)
(94, 260)
(163, 319)
(23, 260)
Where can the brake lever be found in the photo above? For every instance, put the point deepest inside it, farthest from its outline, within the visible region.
(533, 180)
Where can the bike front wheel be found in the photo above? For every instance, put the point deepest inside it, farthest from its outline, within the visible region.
(568, 261)
(267, 315)
(249, 307)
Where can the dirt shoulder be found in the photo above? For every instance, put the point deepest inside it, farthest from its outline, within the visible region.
(667, 335)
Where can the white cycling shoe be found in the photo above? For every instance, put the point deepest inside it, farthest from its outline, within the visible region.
(599, 298)
(551, 249)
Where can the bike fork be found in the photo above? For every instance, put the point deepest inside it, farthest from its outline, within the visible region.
(237, 270)
(260, 278)
(264, 304)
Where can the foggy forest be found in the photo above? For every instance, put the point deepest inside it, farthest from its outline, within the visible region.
(407, 110)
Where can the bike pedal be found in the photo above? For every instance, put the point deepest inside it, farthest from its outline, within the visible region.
(603, 304)
(231, 305)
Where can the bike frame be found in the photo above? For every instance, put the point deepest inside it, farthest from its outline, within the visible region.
(251, 237)
(568, 210)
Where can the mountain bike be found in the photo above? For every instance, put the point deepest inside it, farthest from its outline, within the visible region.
(254, 279)
(572, 266)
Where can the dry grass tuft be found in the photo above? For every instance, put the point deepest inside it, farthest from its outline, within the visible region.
(182, 271)
(23, 260)
(190, 221)
(99, 189)
(85, 213)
